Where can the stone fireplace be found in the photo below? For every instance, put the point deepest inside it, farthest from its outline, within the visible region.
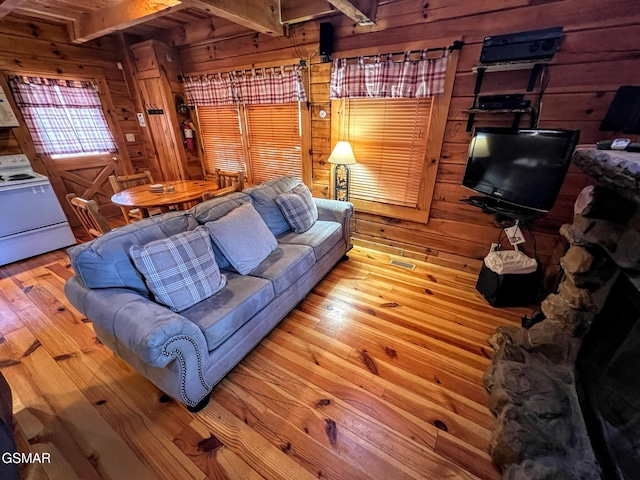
(566, 392)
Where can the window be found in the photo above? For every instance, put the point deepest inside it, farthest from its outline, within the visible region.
(64, 117)
(389, 140)
(253, 120)
(221, 138)
(394, 114)
(264, 140)
(274, 141)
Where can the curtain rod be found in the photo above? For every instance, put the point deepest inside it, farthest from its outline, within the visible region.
(253, 70)
(456, 45)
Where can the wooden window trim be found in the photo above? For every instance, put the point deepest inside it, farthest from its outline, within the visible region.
(437, 125)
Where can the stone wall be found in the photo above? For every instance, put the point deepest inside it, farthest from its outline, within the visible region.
(540, 432)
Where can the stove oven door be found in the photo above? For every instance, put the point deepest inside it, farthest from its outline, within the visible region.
(28, 206)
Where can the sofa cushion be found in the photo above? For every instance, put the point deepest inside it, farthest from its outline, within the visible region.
(105, 261)
(264, 200)
(298, 208)
(222, 314)
(180, 270)
(214, 209)
(285, 265)
(322, 237)
(242, 236)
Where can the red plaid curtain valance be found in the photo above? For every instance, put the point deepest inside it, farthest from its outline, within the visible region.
(384, 78)
(274, 85)
(64, 117)
(209, 90)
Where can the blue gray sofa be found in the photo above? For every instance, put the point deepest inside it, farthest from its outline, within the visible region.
(185, 354)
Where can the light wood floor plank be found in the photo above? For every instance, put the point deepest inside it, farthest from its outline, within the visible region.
(145, 438)
(312, 407)
(376, 374)
(264, 457)
(101, 443)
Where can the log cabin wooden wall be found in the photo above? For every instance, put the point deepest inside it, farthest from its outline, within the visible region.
(599, 52)
(39, 47)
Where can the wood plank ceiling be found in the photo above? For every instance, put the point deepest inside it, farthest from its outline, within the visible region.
(91, 19)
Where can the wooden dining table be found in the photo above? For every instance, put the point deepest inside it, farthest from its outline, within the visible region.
(180, 193)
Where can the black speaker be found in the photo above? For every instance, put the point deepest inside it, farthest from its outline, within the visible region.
(510, 290)
(326, 39)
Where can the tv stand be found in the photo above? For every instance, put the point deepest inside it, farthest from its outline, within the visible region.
(502, 210)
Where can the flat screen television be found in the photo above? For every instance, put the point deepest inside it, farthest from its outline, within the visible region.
(524, 168)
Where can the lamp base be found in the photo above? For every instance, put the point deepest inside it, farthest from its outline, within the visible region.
(341, 182)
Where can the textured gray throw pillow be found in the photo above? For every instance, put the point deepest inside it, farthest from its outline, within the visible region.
(180, 270)
(298, 208)
(243, 237)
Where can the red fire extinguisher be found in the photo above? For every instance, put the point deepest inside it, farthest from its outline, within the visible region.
(187, 133)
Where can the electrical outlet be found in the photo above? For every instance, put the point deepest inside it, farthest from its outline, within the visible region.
(119, 65)
(141, 121)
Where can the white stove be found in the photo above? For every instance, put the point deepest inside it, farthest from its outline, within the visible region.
(31, 219)
(16, 170)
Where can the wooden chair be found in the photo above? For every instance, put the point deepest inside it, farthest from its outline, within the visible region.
(229, 179)
(218, 193)
(89, 215)
(122, 182)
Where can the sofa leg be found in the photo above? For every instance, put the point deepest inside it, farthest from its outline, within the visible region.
(203, 403)
(344, 258)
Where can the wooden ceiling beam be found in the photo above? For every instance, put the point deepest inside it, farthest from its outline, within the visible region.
(296, 11)
(7, 6)
(211, 29)
(119, 16)
(363, 12)
(260, 15)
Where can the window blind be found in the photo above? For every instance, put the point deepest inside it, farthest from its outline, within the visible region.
(221, 138)
(389, 139)
(273, 132)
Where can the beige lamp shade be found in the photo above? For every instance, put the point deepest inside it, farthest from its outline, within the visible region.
(342, 154)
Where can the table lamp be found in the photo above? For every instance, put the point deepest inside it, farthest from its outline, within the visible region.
(342, 156)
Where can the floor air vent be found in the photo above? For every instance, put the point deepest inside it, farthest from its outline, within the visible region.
(398, 263)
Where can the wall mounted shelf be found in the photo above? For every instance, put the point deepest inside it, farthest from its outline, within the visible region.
(536, 67)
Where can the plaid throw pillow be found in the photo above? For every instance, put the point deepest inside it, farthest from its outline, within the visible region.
(298, 208)
(180, 270)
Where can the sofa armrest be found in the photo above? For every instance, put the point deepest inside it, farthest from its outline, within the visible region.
(149, 337)
(143, 327)
(337, 211)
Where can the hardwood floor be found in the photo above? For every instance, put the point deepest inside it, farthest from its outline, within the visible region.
(376, 374)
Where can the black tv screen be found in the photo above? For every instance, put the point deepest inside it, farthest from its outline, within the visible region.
(525, 168)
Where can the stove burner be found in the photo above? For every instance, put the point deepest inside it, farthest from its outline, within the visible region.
(20, 176)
